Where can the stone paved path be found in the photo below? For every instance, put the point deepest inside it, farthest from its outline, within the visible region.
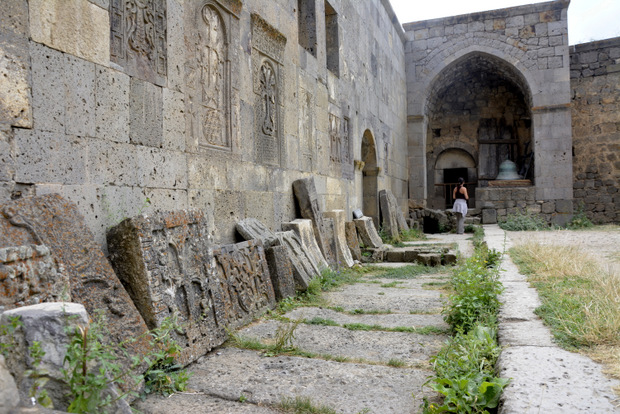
(545, 378)
(366, 383)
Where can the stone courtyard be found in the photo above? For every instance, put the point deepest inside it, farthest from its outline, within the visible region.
(206, 160)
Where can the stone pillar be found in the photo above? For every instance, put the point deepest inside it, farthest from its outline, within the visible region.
(341, 240)
(416, 133)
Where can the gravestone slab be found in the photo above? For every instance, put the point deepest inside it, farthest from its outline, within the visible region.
(303, 229)
(30, 275)
(251, 228)
(281, 272)
(389, 222)
(352, 241)
(340, 237)
(243, 277)
(55, 222)
(304, 268)
(165, 262)
(367, 232)
(330, 233)
(398, 212)
(308, 200)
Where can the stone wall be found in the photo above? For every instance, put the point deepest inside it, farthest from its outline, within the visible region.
(217, 105)
(595, 84)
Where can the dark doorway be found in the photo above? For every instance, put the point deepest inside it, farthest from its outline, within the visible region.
(450, 179)
(431, 225)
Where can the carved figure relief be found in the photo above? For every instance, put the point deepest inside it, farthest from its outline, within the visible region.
(138, 38)
(207, 74)
(208, 116)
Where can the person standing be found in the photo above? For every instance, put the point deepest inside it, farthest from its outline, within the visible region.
(460, 197)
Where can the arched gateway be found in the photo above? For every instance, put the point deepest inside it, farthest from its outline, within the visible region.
(490, 85)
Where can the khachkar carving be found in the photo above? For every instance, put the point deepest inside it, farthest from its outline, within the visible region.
(208, 76)
(335, 139)
(244, 282)
(56, 223)
(166, 263)
(267, 51)
(138, 38)
(29, 275)
(340, 146)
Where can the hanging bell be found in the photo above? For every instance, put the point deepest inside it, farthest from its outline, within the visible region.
(508, 171)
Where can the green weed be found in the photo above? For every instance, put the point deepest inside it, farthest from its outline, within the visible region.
(523, 222)
(396, 363)
(303, 405)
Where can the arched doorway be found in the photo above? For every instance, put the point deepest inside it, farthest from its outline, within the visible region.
(370, 204)
(483, 103)
(452, 164)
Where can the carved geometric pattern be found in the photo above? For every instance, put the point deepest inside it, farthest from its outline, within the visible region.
(267, 51)
(335, 139)
(138, 38)
(244, 282)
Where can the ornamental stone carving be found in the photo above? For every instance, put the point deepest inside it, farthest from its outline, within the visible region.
(138, 38)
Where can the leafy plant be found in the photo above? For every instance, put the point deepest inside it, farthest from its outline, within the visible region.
(38, 375)
(7, 333)
(580, 220)
(91, 367)
(476, 288)
(523, 222)
(164, 375)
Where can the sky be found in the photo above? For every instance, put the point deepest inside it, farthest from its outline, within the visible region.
(588, 20)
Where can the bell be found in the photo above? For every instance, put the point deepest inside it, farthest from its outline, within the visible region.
(508, 171)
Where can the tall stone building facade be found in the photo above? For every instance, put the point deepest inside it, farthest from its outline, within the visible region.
(127, 106)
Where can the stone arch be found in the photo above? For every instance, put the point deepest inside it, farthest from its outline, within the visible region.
(450, 164)
(370, 173)
(481, 104)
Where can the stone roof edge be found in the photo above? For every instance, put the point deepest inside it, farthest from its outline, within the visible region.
(597, 44)
(498, 13)
(390, 11)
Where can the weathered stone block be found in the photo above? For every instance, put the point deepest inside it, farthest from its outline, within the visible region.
(340, 237)
(281, 272)
(367, 232)
(250, 229)
(303, 229)
(352, 240)
(9, 396)
(564, 206)
(15, 101)
(489, 216)
(304, 268)
(29, 275)
(146, 114)
(394, 256)
(85, 32)
(307, 198)
(449, 258)
(330, 232)
(388, 217)
(410, 256)
(57, 223)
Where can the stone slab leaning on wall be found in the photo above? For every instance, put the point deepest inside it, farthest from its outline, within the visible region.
(56, 223)
(165, 262)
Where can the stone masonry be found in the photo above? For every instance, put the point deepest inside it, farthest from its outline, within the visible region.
(595, 84)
